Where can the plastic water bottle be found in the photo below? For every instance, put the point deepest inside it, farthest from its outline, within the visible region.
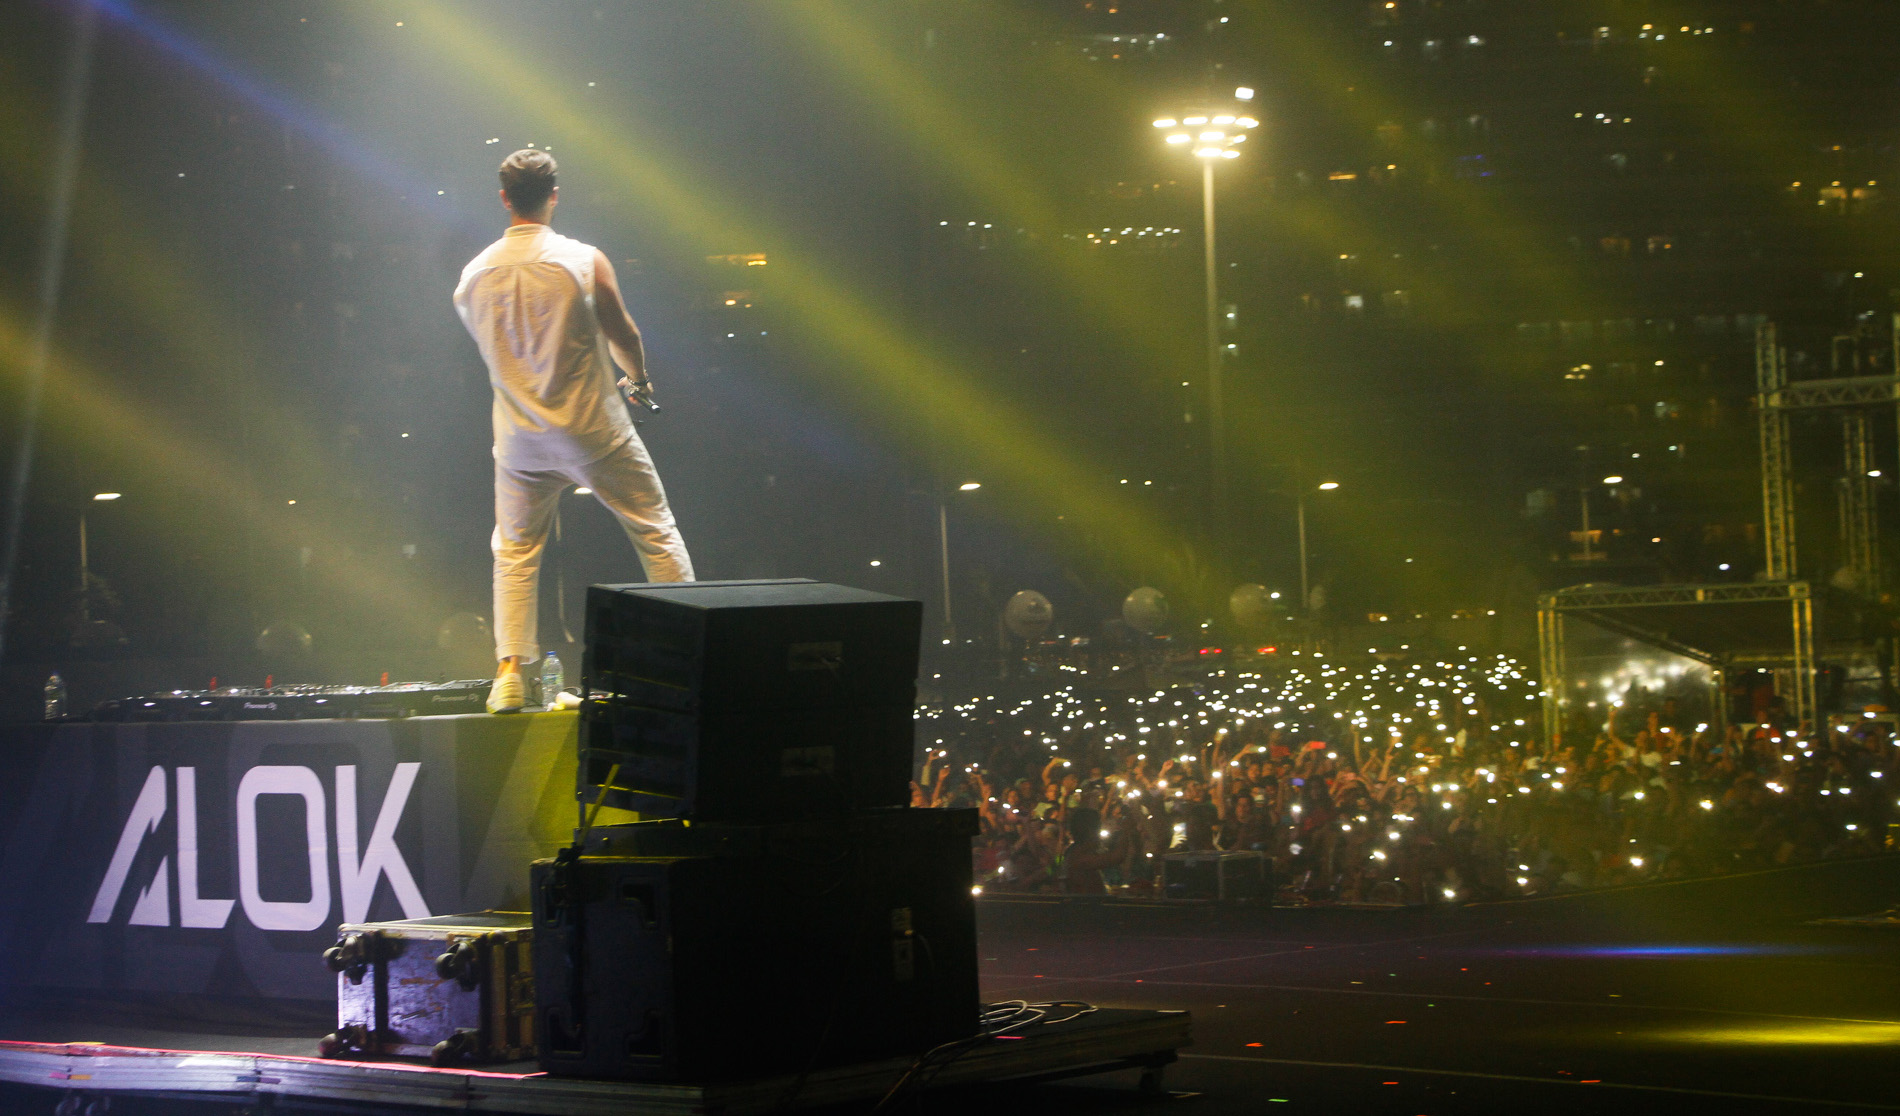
(55, 696)
(551, 679)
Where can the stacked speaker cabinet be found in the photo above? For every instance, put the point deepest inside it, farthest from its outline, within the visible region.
(720, 951)
(747, 700)
(784, 909)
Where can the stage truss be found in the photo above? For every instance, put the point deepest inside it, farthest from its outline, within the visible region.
(1677, 618)
(1668, 616)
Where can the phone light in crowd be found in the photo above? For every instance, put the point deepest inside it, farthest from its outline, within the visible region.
(1636, 862)
(969, 486)
(1244, 93)
(877, 562)
(107, 495)
(1613, 480)
(1328, 486)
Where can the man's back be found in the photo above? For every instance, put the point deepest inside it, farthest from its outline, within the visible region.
(528, 301)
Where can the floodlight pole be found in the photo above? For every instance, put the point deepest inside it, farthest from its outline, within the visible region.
(1216, 425)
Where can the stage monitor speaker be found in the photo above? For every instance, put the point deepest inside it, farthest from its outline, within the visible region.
(747, 700)
(731, 647)
(744, 767)
(724, 953)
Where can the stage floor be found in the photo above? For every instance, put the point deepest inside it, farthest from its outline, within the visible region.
(1702, 996)
(139, 1068)
(1713, 995)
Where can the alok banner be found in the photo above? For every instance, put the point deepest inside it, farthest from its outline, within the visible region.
(217, 859)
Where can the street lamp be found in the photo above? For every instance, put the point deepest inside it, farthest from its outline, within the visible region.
(1583, 498)
(85, 558)
(1213, 135)
(943, 545)
(1306, 598)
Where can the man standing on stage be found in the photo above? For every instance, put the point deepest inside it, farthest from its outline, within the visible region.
(546, 313)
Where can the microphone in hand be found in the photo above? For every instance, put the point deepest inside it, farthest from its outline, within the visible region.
(639, 394)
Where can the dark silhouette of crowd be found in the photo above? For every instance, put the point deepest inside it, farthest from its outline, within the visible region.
(1393, 783)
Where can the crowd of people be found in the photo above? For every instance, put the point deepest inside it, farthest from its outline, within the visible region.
(1391, 781)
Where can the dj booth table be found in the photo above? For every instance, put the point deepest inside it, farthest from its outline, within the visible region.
(208, 863)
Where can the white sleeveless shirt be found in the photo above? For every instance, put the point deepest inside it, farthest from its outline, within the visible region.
(528, 300)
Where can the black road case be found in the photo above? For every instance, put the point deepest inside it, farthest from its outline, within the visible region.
(708, 953)
(454, 988)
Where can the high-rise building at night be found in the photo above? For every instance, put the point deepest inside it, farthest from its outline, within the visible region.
(1488, 256)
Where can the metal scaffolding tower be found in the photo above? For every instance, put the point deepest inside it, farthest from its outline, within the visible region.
(1859, 522)
(1777, 472)
(1553, 667)
(1775, 399)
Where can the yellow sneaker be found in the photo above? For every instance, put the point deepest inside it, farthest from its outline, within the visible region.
(508, 694)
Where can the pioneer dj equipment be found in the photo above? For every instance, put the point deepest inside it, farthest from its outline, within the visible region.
(744, 700)
(300, 702)
(456, 988)
(708, 952)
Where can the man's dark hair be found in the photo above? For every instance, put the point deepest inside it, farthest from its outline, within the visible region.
(527, 179)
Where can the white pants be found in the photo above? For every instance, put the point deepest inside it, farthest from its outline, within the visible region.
(624, 482)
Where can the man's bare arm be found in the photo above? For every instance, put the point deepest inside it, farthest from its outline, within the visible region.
(623, 337)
